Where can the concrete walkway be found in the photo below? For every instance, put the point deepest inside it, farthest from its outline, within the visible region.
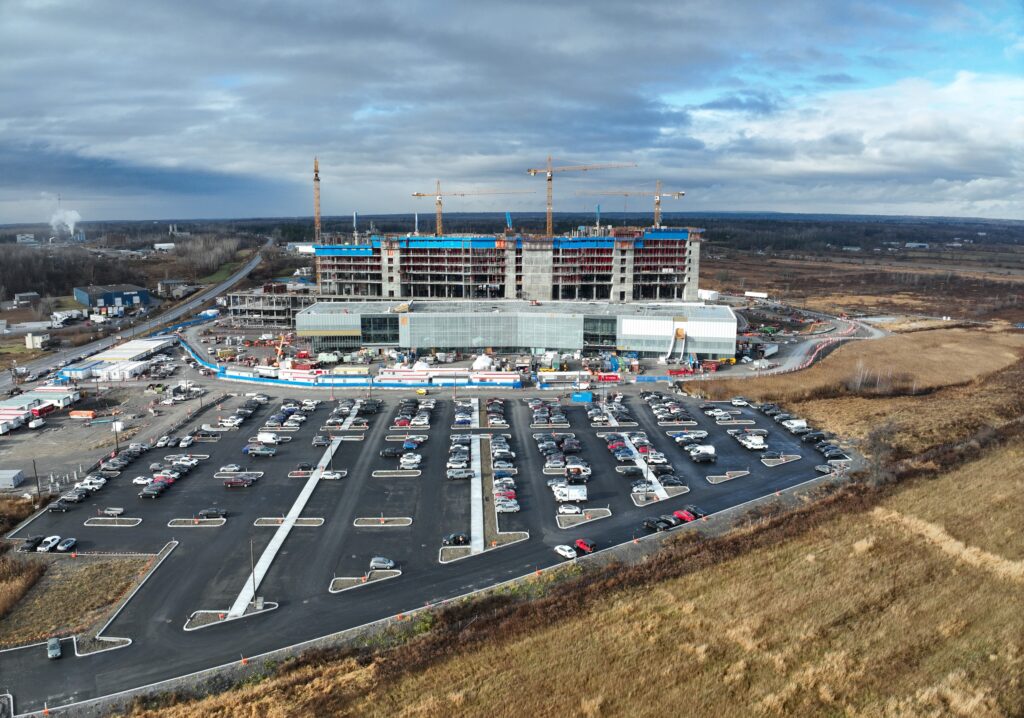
(659, 490)
(476, 498)
(254, 579)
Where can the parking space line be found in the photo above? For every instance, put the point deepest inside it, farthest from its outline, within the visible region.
(253, 580)
(476, 498)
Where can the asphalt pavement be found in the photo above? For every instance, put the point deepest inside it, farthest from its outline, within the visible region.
(206, 571)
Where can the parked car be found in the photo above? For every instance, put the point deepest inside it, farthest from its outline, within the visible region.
(696, 511)
(567, 552)
(585, 545)
(320, 440)
(238, 482)
(30, 544)
(53, 649)
(212, 513)
(58, 506)
(455, 540)
(67, 545)
(380, 563)
(48, 544)
(569, 510)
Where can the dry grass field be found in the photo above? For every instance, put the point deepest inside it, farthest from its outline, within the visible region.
(72, 595)
(903, 363)
(897, 610)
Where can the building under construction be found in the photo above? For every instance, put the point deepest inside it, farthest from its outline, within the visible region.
(619, 265)
(614, 264)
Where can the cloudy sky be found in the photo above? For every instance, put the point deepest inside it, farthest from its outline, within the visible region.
(210, 108)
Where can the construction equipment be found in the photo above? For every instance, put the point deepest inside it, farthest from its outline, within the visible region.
(316, 200)
(657, 194)
(550, 170)
(438, 194)
(280, 350)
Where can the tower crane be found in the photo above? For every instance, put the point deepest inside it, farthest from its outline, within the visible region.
(657, 194)
(549, 171)
(438, 194)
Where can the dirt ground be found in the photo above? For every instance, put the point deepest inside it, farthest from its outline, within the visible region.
(66, 445)
(910, 363)
(968, 290)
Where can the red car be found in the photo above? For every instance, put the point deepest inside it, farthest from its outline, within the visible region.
(237, 483)
(506, 494)
(642, 448)
(616, 445)
(684, 515)
(585, 545)
(401, 422)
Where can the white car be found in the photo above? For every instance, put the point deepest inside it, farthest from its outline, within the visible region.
(656, 458)
(331, 475)
(565, 551)
(142, 481)
(457, 464)
(48, 544)
(186, 442)
(507, 508)
(739, 401)
(187, 461)
(569, 510)
(231, 467)
(162, 441)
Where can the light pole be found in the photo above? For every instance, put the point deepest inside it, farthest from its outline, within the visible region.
(252, 565)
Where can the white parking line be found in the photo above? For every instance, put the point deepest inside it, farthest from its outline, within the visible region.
(476, 499)
(253, 580)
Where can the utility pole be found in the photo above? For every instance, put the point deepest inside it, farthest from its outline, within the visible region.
(35, 473)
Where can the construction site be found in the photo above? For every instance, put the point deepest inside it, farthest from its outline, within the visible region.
(591, 262)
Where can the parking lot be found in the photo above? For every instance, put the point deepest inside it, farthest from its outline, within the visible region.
(212, 565)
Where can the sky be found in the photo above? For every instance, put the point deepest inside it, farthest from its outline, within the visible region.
(209, 108)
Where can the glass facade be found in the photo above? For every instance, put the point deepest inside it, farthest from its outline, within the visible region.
(599, 331)
(380, 329)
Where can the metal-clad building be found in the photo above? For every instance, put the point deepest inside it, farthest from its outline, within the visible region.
(116, 295)
(672, 330)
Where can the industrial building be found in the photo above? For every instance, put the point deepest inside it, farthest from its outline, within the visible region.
(674, 331)
(119, 363)
(116, 295)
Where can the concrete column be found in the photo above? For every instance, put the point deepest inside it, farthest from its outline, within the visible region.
(537, 254)
(391, 277)
(510, 270)
(622, 276)
(692, 276)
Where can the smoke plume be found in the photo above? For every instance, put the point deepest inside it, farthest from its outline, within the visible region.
(65, 218)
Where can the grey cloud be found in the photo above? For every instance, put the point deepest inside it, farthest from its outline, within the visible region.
(836, 78)
(194, 99)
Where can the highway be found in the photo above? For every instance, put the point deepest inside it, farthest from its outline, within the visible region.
(49, 362)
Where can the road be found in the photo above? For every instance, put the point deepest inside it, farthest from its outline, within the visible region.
(49, 362)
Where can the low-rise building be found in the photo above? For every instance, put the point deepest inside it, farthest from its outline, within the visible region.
(116, 295)
(674, 331)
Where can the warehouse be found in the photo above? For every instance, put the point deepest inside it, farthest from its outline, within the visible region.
(115, 295)
(674, 331)
(121, 362)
